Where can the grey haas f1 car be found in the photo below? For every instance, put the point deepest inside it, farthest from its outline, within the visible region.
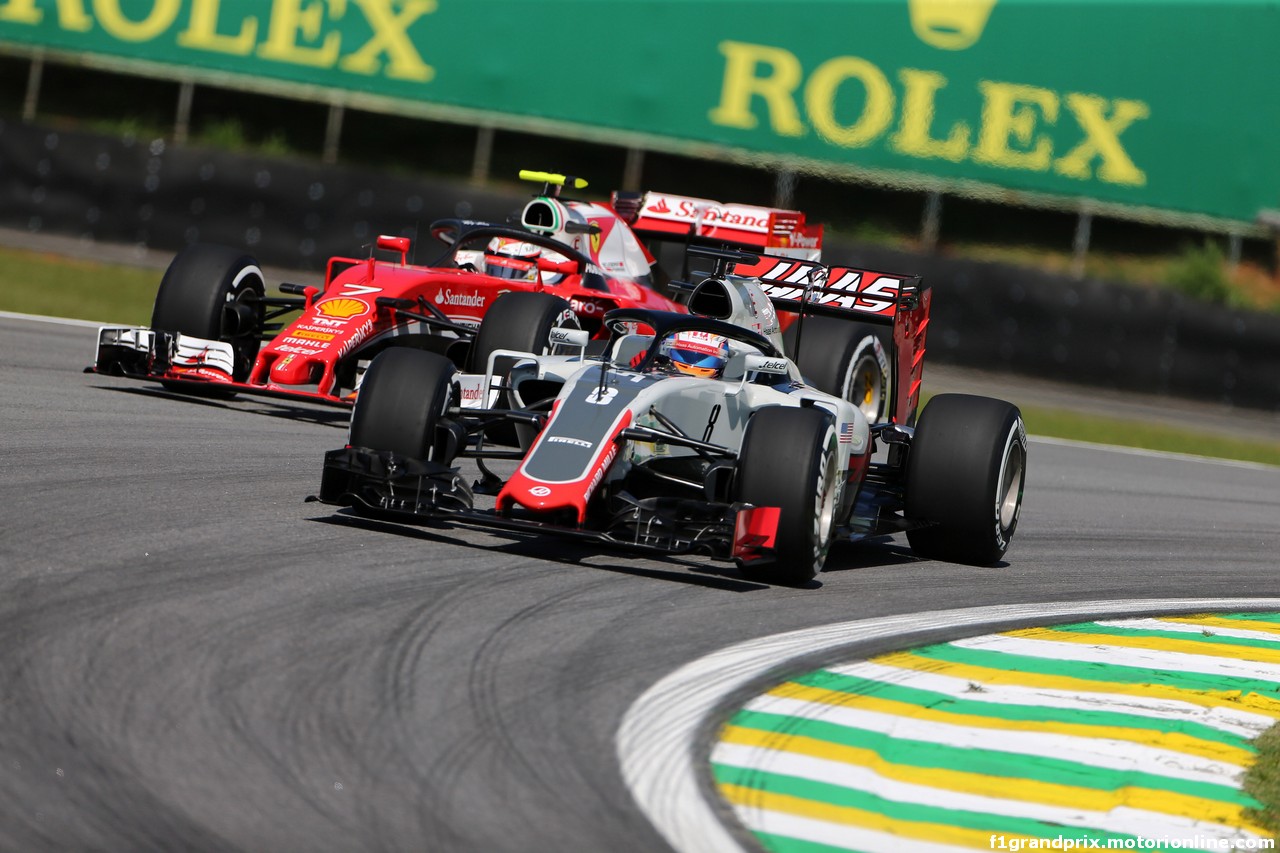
(692, 433)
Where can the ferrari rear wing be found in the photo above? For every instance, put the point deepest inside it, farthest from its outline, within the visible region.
(868, 296)
(775, 230)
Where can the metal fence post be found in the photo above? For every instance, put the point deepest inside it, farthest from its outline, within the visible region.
(32, 99)
(483, 155)
(631, 171)
(333, 133)
(784, 189)
(182, 122)
(931, 220)
(1080, 245)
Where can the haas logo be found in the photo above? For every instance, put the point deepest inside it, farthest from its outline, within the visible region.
(539, 491)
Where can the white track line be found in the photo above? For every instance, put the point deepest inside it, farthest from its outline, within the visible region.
(59, 321)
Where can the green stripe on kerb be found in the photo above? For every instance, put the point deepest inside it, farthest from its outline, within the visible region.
(1112, 673)
(1206, 635)
(836, 795)
(944, 702)
(987, 762)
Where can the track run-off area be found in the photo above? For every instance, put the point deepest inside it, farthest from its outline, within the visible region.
(197, 659)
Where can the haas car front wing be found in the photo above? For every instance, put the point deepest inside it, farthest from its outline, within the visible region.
(386, 485)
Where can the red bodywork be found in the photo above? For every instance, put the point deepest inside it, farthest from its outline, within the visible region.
(304, 358)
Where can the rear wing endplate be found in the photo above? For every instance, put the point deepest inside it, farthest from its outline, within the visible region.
(868, 296)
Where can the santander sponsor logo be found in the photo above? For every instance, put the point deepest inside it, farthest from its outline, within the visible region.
(744, 217)
(463, 300)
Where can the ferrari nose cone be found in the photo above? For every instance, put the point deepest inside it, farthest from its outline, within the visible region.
(293, 370)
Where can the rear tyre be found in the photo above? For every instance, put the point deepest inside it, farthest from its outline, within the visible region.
(965, 472)
(846, 359)
(521, 322)
(404, 394)
(214, 292)
(789, 459)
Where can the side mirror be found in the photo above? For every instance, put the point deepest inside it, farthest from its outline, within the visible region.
(757, 363)
(576, 338)
(395, 244)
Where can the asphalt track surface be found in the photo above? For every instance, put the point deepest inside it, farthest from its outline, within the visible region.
(195, 659)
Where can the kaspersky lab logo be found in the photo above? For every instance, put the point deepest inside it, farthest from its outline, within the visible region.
(950, 24)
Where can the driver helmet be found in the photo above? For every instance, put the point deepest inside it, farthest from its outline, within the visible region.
(699, 354)
(513, 259)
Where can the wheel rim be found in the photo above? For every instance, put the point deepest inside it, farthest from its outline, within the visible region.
(826, 506)
(866, 388)
(1009, 496)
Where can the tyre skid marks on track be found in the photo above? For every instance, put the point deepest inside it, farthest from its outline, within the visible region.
(812, 719)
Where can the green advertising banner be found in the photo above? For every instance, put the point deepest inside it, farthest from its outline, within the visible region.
(1164, 109)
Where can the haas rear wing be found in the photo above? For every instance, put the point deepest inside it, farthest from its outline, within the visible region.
(868, 296)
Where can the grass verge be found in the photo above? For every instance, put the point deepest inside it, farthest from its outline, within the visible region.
(1064, 423)
(57, 286)
(39, 283)
(1262, 780)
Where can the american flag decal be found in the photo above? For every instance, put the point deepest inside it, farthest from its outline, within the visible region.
(846, 433)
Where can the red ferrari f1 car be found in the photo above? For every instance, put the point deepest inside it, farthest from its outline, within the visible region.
(214, 329)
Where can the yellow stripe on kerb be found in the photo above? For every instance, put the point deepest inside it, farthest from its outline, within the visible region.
(1252, 702)
(1219, 622)
(1172, 741)
(998, 787)
(754, 798)
(1200, 648)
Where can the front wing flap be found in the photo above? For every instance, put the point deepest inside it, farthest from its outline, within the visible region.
(409, 490)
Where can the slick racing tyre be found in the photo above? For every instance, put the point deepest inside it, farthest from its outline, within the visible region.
(214, 292)
(520, 322)
(404, 394)
(846, 359)
(789, 459)
(965, 473)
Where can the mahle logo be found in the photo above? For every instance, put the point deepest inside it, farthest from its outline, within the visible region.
(950, 24)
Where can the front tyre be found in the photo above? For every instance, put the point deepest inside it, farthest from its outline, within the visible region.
(215, 293)
(789, 459)
(965, 473)
(404, 395)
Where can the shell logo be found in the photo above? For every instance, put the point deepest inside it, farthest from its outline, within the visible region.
(344, 307)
